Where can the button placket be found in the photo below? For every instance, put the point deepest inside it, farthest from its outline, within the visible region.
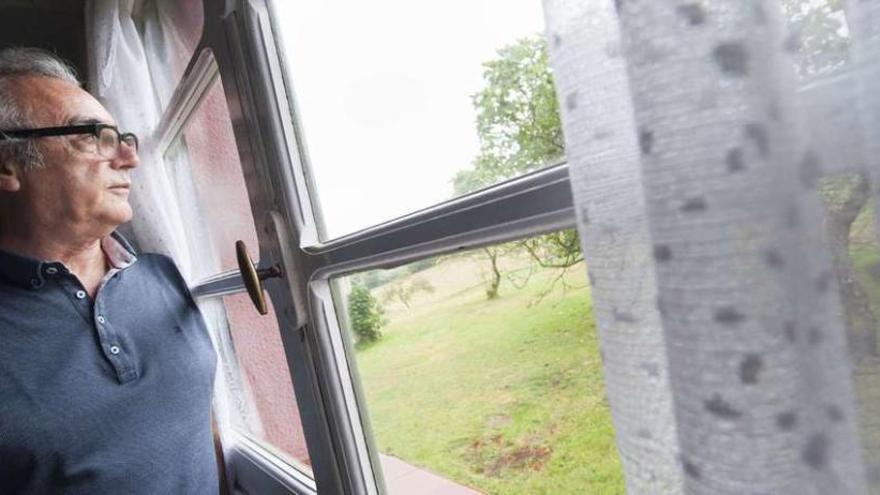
(71, 288)
(110, 343)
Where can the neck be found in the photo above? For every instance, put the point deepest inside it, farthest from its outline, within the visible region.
(81, 254)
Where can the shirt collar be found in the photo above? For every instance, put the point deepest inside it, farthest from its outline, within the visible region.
(119, 252)
(32, 273)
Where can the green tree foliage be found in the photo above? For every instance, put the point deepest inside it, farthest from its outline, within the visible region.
(817, 29)
(517, 117)
(365, 314)
(520, 131)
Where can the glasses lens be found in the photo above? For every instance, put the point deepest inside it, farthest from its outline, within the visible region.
(130, 140)
(108, 142)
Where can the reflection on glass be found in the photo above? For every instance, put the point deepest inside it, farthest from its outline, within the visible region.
(481, 372)
(407, 101)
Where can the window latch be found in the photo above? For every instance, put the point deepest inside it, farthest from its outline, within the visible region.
(253, 278)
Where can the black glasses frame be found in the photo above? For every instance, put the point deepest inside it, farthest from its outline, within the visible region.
(68, 130)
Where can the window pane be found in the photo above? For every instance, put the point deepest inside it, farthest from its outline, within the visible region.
(172, 30)
(271, 416)
(205, 167)
(851, 226)
(493, 382)
(392, 93)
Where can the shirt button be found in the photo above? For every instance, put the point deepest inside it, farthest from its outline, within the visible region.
(80, 294)
(35, 283)
(51, 270)
(114, 350)
(101, 319)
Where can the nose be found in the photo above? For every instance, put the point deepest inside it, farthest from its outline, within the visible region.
(126, 157)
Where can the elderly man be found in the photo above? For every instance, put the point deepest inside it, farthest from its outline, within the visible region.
(106, 367)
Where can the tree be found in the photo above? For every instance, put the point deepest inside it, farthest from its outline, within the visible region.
(823, 47)
(817, 31)
(517, 117)
(520, 131)
(404, 290)
(365, 314)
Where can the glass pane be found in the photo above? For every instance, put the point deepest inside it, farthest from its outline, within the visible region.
(481, 371)
(444, 97)
(848, 212)
(271, 415)
(205, 155)
(204, 167)
(172, 30)
(851, 228)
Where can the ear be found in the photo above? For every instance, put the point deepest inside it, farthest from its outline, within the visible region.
(10, 176)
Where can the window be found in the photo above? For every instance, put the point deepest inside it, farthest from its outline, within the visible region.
(446, 112)
(483, 367)
(300, 411)
(449, 336)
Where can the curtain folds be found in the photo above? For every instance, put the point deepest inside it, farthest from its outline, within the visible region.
(709, 182)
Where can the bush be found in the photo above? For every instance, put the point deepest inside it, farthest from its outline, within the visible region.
(365, 314)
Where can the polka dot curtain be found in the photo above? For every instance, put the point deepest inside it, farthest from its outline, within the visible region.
(721, 165)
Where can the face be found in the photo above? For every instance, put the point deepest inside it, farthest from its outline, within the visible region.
(76, 189)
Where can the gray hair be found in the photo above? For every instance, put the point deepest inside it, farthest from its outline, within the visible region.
(16, 62)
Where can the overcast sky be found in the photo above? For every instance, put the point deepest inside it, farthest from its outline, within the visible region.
(383, 89)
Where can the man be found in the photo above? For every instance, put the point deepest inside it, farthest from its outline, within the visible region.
(106, 367)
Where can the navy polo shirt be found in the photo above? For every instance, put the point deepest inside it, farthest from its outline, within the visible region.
(111, 395)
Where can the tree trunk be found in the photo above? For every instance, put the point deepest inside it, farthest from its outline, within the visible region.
(492, 290)
(860, 321)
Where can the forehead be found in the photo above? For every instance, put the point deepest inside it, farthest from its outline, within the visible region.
(54, 102)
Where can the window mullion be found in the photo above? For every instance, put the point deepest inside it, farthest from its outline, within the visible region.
(534, 204)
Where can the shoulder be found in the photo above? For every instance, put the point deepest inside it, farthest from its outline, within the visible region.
(157, 258)
(159, 262)
(162, 267)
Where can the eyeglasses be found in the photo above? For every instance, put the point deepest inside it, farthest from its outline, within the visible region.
(107, 143)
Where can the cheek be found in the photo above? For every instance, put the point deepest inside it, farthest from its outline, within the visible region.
(80, 195)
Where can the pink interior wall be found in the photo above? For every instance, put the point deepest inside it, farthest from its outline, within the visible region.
(224, 202)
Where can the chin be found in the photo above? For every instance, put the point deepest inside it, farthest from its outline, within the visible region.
(118, 216)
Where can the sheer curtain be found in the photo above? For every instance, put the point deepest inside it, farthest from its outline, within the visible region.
(136, 61)
(718, 164)
(121, 79)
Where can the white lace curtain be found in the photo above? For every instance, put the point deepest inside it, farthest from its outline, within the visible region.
(735, 359)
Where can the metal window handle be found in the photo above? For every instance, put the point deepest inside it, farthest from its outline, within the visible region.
(253, 278)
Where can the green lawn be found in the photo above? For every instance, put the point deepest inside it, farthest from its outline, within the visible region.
(498, 395)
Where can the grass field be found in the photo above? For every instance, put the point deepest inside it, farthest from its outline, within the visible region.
(500, 395)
